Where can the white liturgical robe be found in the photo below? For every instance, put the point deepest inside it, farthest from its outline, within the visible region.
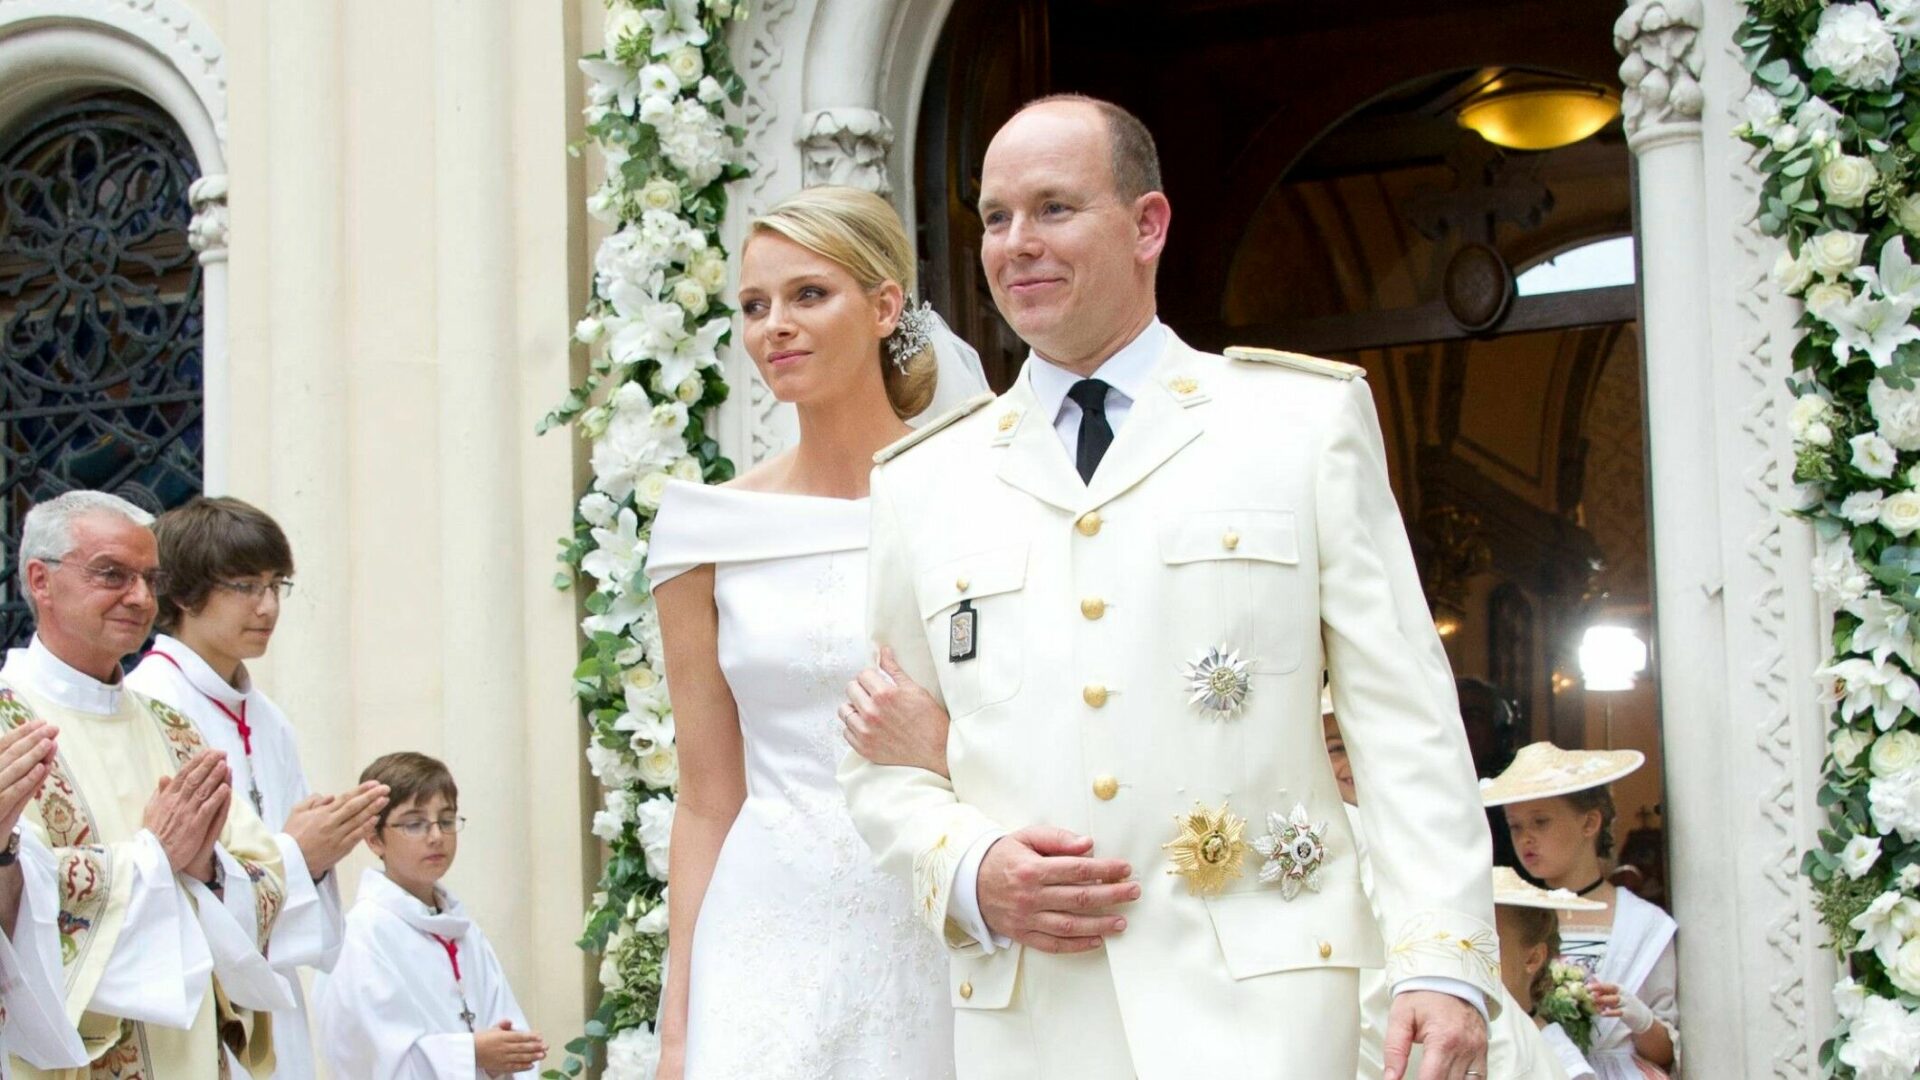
(36, 1027)
(265, 758)
(392, 1008)
(158, 972)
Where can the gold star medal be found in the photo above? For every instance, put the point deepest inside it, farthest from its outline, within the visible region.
(1295, 847)
(1219, 681)
(1209, 848)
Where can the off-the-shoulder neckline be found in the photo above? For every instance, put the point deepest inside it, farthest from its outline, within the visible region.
(726, 489)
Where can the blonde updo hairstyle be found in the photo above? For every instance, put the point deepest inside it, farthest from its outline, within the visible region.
(859, 231)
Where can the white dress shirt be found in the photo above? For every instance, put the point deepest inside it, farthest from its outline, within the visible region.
(1126, 374)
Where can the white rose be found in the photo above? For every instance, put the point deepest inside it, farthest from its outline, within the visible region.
(648, 493)
(1835, 253)
(1847, 179)
(1819, 434)
(622, 25)
(1791, 274)
(660, 193)
(1859, 856)
(688, 469)
(588, 330)
(1828, 295)
(690, 389)
(1900, 514)
(1862, 507)
(1907, 213)
(691, 296)
(1909, 877)
(1894, 803)
(1905, 969)
(1873, 455)
(1883, 1041)
(1807, 408)
(721, 8)
(709, 268)
(1856, 46)
(660, 766)
(598, 509)
(1848, 745)
(686, 65)
(710, 90)
(1896, 751)
(1896, 412)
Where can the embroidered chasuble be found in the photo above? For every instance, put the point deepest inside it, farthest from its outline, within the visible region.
(158, 973)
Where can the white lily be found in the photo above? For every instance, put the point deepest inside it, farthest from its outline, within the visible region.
(1897, 278)
(674, 25)
(617, 553)
(1868, 324)
(1862, 685)
(1886, 629)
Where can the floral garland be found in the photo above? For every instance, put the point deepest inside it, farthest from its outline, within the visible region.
(656, 110)
(1838, 136)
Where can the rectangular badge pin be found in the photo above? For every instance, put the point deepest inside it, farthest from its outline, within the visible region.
(963, 633)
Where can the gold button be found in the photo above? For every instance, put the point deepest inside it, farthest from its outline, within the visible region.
(1326, 950)
(966, 990)
(1094, 695)
(1089, 523)
(1093, 607)
(1106, 787)
(960, 584)
(1231, 540)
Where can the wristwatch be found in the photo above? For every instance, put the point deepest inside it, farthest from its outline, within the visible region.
(11, 854)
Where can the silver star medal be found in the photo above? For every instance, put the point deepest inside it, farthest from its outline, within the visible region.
(1219, 681)
(1295, 847)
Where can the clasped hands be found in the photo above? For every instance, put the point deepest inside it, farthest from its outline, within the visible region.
(188, 812)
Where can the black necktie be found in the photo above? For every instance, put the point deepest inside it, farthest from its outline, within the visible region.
(1095, 433)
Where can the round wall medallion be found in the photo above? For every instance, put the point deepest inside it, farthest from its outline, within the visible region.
(1478, 289)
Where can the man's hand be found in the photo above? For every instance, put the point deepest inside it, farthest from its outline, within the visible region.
(502, 1051)
(26, 757)
(326, 827)
(188, 810)
(1038, 887)
(891, 720)
(1451, 1030)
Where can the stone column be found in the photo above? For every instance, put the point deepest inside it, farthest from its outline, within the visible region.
(481, 648)
(207, 234)
(305, 346)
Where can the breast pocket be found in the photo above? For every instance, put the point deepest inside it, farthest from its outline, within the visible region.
(1235, 574)
(973, 610)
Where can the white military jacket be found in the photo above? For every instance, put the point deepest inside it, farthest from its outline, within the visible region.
(1243, 505)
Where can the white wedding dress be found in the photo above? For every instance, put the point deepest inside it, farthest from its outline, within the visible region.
(807, 961)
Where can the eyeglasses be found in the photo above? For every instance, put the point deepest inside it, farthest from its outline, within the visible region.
(116, 578)
(279, 587)
(419, 829)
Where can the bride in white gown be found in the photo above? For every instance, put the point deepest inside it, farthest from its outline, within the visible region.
(791, 955)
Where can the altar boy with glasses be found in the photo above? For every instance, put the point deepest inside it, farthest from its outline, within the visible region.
(418, 993)
(228, 567)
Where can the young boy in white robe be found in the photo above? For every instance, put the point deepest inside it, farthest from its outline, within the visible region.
(417, 993)
(229, 566)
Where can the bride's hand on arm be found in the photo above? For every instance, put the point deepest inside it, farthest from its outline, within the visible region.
(891, 720)
(713, 780)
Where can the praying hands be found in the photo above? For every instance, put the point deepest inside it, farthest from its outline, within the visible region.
(188, 812)
(326, 827)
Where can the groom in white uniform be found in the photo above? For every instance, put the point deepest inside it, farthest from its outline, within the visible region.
(1123, 579)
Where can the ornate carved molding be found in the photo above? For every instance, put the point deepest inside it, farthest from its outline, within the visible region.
(207, 232)
(1660, 40)
(847, 146)
(169, 27)
(770, 38)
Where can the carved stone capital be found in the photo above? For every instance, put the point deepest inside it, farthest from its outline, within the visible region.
(1660, 40)
(846, 145)
(207, 232)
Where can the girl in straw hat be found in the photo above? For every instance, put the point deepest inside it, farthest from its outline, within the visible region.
(1527, 919)
(1517, 1047)
(1561, 816)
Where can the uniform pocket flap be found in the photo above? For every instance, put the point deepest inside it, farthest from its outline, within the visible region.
(984, 573)
(1260, 535)
(1260, 932)
(984, 980)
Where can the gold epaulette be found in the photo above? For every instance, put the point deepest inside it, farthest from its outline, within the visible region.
(965, 409)
(1313, 365)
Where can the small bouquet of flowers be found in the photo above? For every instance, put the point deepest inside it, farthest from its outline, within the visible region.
(1569, 1003)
